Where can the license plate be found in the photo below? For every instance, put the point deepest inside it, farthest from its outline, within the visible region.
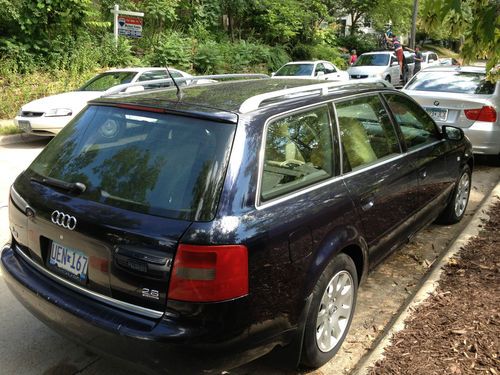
(72, 262)
(24, 125)
(438, 114)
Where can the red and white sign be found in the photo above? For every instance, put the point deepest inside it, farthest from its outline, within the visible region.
(130, 26)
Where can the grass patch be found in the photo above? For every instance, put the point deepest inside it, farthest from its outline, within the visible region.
(9, 129)
(17, 90)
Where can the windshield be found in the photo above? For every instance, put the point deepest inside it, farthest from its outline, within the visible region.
(295, 70)
(454, 81)
(105, 81)
(165, 165)
(372, 60)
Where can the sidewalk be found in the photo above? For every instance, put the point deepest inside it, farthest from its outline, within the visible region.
(451, 325)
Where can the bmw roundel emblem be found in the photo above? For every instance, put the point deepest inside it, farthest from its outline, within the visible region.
(436, 103)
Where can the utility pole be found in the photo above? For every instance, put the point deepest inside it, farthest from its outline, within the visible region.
(414, 25)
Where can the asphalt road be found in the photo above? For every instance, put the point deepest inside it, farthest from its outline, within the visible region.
(29, 347)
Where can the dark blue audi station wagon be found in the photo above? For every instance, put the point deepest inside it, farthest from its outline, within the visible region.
(193, 231)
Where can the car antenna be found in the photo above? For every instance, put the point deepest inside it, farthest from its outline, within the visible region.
(179, 92)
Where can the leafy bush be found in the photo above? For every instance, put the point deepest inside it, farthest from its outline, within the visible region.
(360, 42)
(120, 55)
(172, 49)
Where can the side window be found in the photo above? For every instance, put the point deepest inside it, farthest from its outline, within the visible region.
(298, 152)
(329, 68)
(366, 131)
(416, 125)
(153, 74)
(319, 68)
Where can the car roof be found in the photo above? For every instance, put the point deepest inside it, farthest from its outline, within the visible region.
(377, 53)
(136, 70)
(305, 62)
(222, 100)
(465, 69)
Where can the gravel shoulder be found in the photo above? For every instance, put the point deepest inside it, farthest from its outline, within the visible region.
(457, 329)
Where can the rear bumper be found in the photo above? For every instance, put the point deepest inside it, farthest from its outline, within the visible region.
(164, 345)
(485, 137)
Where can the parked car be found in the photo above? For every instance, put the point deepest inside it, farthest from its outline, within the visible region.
(463, 98)
(197, 232)
(47, 116)
(322, 70)
(382, 65)
(430, 59)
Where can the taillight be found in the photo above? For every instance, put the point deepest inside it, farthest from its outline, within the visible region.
(209, 273)
(487, 113)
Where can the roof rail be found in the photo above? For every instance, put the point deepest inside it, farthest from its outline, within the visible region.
(255, 102)
(141, 86)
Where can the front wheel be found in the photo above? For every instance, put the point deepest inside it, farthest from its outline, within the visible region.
(331, 311)
(455, 210)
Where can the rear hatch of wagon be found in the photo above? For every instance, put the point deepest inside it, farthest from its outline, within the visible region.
(105, 205)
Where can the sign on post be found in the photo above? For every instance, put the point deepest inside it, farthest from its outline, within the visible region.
(130, 26)
(127, 23)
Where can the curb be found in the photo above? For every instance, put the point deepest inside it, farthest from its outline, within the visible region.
(18, 138)
(430, 284)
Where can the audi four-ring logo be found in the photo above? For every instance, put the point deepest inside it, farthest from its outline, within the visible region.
(63, 220)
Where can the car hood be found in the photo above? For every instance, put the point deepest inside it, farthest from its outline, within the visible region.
(367, 69)
(74, 100)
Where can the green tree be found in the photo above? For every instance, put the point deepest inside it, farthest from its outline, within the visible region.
(476, 22)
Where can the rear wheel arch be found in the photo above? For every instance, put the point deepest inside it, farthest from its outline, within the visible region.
(359, 258)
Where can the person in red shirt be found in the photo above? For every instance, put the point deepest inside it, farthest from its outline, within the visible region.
(354, 57)
(398, 49)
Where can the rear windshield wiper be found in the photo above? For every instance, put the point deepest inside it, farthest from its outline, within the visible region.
(69, 186)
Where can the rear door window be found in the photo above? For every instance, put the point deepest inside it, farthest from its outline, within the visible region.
(155, 163)
(416, 125)
(298, 152)
(366, 131)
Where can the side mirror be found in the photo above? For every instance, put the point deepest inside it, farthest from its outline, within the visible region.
(452, 133)
(320, 74)
(273, 74)
(394, 63)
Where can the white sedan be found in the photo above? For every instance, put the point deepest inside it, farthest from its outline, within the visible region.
(47, 116)
(322, 70)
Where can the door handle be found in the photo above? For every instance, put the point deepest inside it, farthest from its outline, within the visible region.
(367, 203)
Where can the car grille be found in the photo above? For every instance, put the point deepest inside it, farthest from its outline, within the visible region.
(359, 76)
(31, 114)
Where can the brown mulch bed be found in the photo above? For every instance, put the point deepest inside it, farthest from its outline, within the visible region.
(457, 329)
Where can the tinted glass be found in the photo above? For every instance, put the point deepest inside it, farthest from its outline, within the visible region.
(372, 60)
(298, 152)
(416, 125)
(104, 81)
(165, 165)
(454, 81)
(329, 68)
(296, 70)
(366, 131)
(154, 74)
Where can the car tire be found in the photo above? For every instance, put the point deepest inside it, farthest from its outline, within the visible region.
(331, 311)
(388, 78)
(455, 210)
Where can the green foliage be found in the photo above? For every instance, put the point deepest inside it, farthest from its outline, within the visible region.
(360, 42)
(171, 49)
(477, 21)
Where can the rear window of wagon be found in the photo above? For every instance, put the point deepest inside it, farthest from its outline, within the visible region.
(156, 163)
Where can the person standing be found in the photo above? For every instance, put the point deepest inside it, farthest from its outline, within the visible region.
(354, 57)
(418, 59)
(398, 49)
